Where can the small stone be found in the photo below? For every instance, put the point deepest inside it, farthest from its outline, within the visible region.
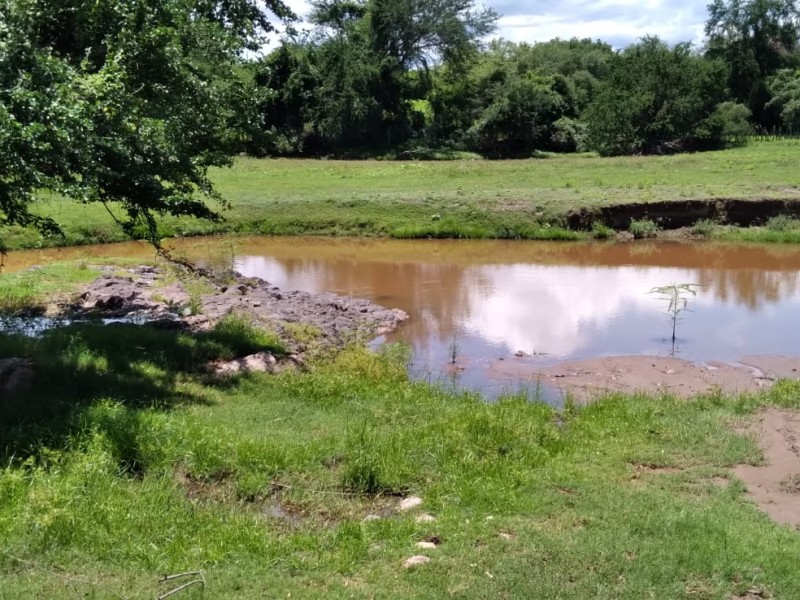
(409, 503)
(263, 362)
(370, 518)
(16, 376)
(416, 561)
(506, 536)
(425, 518)
(426, 545)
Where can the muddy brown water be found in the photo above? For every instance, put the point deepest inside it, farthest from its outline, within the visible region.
(534, 303)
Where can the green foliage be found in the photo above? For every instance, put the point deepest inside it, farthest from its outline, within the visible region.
(643, 228)
(601, 231)
(785, 101)
(358, 82)
(755, 38)
(123, 103)
(781, 223)
(519, 116)
(705, 228)
(730, 122)
(657, 99)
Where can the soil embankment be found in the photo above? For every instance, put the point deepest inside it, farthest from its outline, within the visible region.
(675, 214)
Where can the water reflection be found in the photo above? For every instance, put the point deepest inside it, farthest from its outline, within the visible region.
(560, 300)
(564, 300)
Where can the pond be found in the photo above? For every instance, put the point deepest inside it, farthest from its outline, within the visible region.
(476, 303)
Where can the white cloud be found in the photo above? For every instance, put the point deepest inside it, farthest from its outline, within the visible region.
(618, 22)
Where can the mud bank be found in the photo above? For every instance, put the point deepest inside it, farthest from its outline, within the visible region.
(147, 294)
(676, 214)
(586, 380)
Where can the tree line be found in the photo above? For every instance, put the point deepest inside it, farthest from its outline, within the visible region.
(128, 103)
(379, 76)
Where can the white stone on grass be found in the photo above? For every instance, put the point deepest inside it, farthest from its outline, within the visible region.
(416, 561)
(409, 503)
(426, 545)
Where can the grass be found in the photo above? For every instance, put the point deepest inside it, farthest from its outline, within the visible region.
(127, 461)
(31, 291)
(525, 199)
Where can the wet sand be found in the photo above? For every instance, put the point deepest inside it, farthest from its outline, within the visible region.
(775, 485)
(586, 380)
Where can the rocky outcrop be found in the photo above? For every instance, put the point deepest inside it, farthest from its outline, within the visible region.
(143, 294)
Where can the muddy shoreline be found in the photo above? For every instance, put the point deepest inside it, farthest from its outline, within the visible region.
(589, 379)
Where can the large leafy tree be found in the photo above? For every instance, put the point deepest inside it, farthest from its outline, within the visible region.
(354, 82)
(659, 99)
(756, 38)
(785, 101)
(122, 102)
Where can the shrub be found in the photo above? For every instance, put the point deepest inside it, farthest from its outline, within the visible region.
(643, 228)
(601, 231)
(704, 227)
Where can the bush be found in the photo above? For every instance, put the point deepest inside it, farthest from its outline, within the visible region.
(656, 100)
(601, 231)
(781, 223)
(569, 135)
(704, 227)
(644, 228)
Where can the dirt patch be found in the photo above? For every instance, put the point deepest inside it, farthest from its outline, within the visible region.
(586, 380)
(640, 469)
(773, 485)
(146, 294)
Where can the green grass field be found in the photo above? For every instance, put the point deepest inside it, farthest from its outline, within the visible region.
(475, 198)
(126, 462)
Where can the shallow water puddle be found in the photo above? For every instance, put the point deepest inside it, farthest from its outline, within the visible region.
(489, 315)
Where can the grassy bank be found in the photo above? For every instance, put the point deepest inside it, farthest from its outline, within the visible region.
(126, 462)
(476, 199)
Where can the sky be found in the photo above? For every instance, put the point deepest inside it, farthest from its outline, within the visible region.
(618, 22)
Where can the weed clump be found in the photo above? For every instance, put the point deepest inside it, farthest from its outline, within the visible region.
(600, 231)
(781, 223)
(643, 228)
(704, 228)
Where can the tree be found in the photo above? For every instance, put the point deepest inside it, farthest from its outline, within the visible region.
(657, 99)
(755, 38)
(785, 102)
(370, 62)
(125, 103)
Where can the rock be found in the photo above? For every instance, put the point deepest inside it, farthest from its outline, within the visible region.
(625, 236)
(370, 518)
(426, 545)
(506, 536)
(16, 376)
(263, 362)
(111, 303)
(425, 518)
(416, 561)
(409, 503)
(146, 292)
